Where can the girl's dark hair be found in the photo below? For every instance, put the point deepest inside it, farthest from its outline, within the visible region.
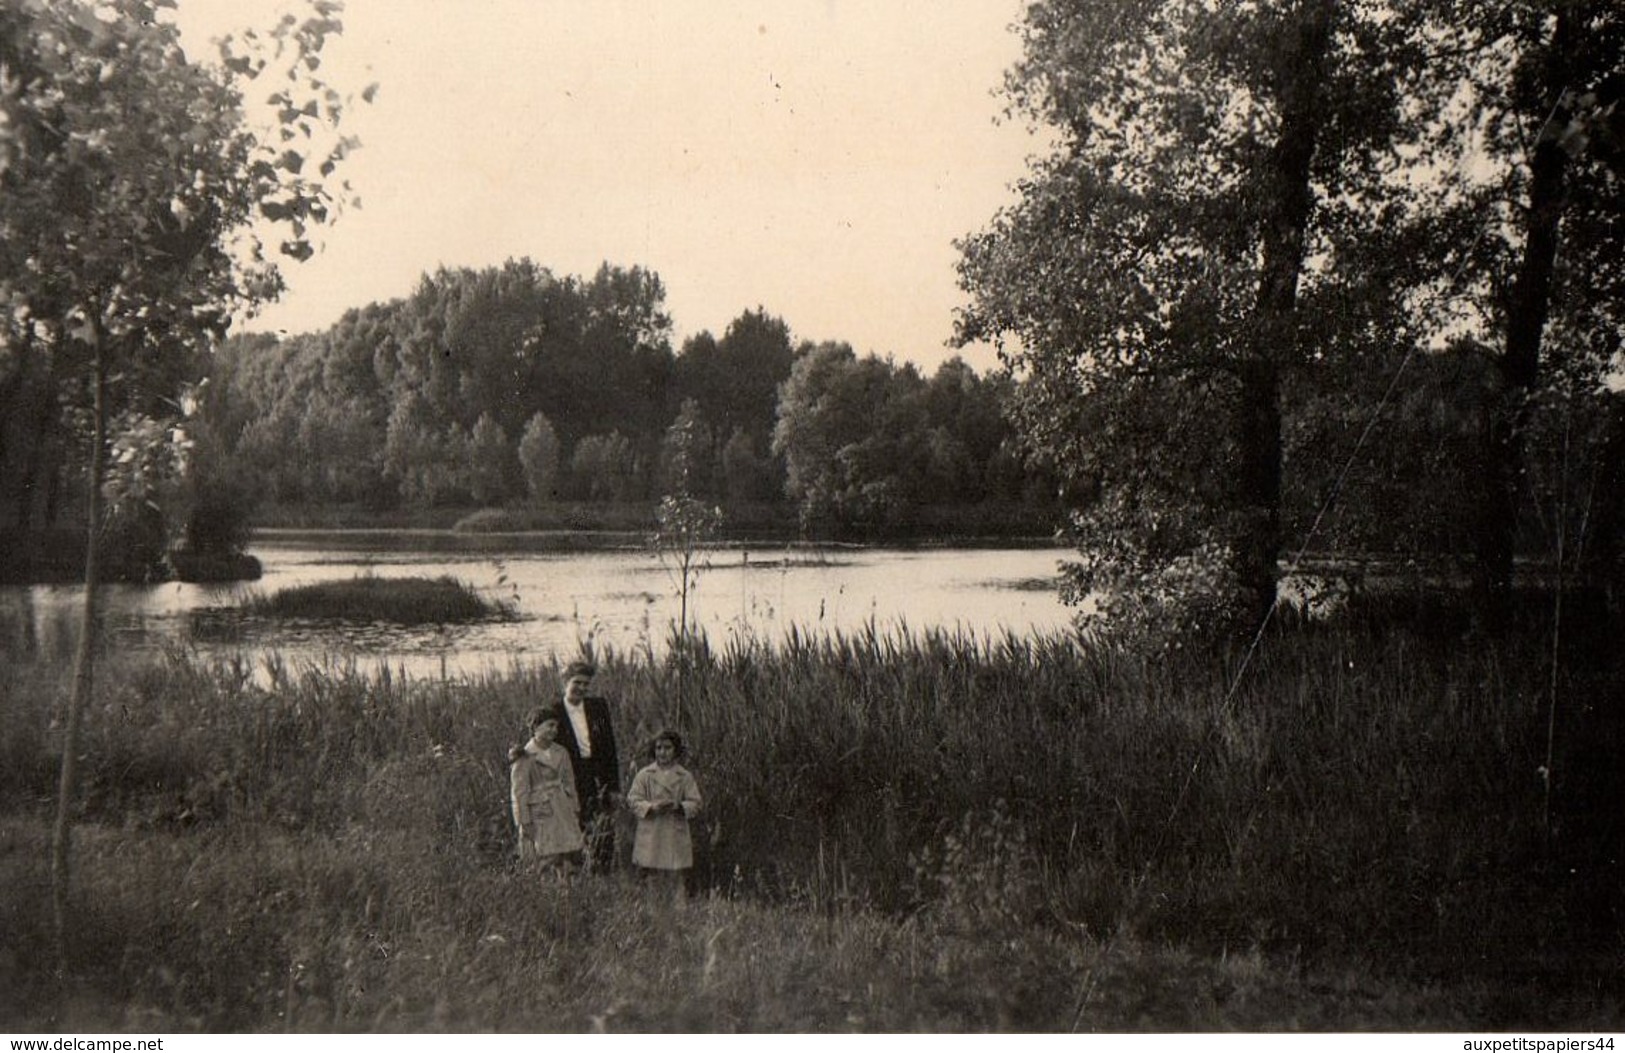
(670, 736)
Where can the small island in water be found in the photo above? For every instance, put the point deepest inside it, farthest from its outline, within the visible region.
(404, 601)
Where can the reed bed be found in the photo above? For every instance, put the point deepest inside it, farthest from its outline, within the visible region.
(323, 847)
(404, 601)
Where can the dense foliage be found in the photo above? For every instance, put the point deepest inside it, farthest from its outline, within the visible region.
(135, 200)
(512, 385)
(1265, 230)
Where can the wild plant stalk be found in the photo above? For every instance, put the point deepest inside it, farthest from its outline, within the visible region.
(685, 527)
(84, 663)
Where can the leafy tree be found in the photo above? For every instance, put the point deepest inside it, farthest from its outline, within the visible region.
(688, 454)
(972, 405)
(217, 498)
(1155, 270)
(627, 334)
(1010, 475)
(144, 456)
(338, 445)
(539, 458)
(605, 468)
(964, 423)
(735, 380)
(219, 523)
(848, 432)
(491, 464)
(379, 407)
(491, 319)
(1537, 284)
(812, 427)
(685, 524)
(422, 455)
(39, 365)
(747, 476)
(949, 474)
(128, 177)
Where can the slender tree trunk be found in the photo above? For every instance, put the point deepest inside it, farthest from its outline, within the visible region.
(84, 666)
(1260, 437)
(1519, 364)
(1283, 237)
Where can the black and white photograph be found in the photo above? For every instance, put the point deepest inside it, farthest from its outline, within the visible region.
(807, 517)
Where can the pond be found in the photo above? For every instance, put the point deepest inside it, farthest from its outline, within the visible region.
(626, 600)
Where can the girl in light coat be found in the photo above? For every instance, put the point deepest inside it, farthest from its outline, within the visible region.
(543, 787)
(664, 797)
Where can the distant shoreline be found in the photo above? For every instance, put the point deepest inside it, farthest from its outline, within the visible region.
(57, 557)
(444, 539)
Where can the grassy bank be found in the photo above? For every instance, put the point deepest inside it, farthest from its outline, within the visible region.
(371, 929)
(903, 833)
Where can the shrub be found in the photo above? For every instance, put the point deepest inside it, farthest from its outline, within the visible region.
(220, 520)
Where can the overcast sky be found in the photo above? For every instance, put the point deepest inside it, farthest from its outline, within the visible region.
(816, 158)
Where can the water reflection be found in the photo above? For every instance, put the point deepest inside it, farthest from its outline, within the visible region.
(624, 600)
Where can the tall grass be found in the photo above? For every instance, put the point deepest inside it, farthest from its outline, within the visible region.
(373, 930)
(1358, 794)
(1365, 800)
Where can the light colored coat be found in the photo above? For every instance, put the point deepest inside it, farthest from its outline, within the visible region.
(545, 807)
(663, 842)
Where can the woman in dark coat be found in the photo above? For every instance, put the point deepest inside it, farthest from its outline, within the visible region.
(587, 733)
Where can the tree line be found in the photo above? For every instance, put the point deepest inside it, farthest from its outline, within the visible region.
(511, 385)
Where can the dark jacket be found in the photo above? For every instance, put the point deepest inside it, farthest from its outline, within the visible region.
(600, 774)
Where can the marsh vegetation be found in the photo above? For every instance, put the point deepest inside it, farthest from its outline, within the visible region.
(403, 601)
(911, 832)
